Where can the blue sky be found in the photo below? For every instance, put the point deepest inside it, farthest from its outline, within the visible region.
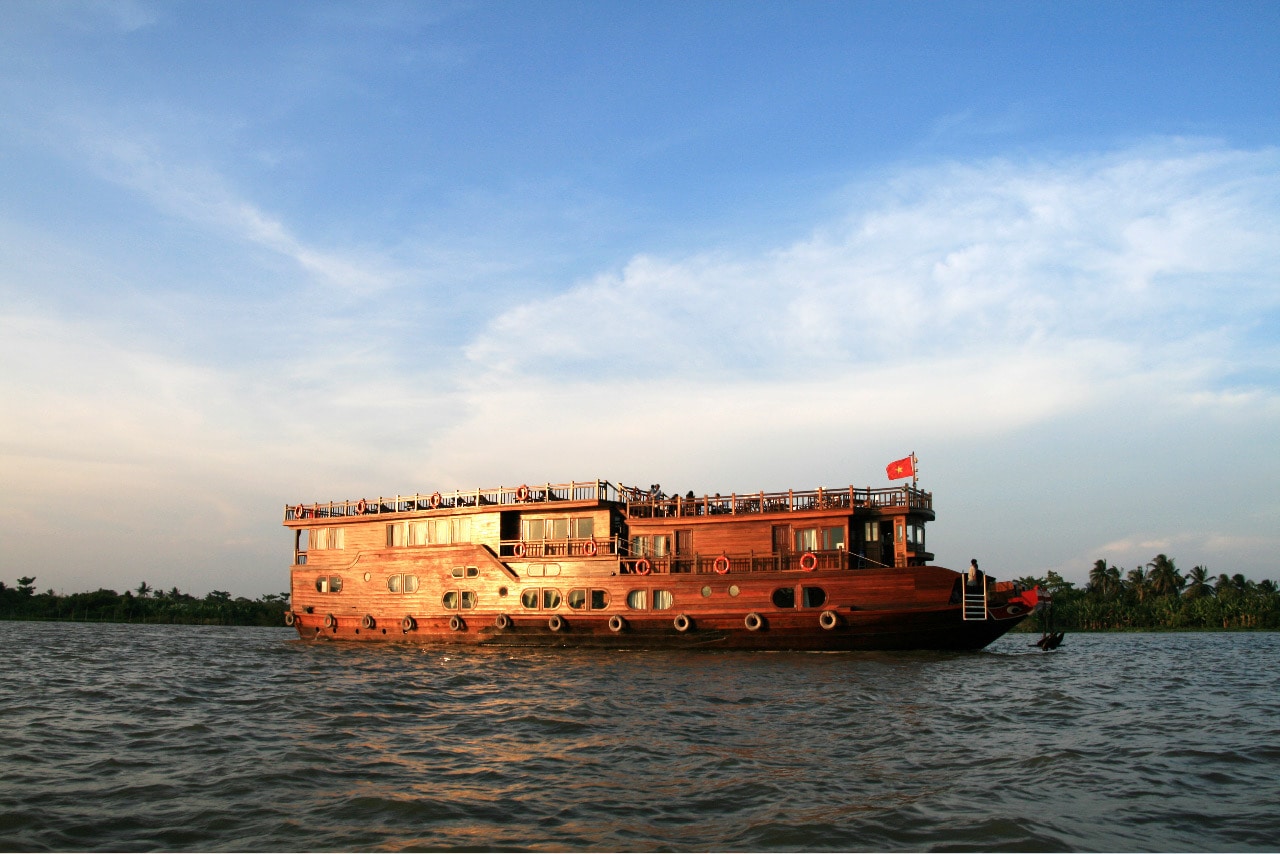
(256, 254)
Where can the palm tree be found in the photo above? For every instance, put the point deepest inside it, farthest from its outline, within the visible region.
(1164, 578)
(1197, 583)
(1136, 581)
(144, 589)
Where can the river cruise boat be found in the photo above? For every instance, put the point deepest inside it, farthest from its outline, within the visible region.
(591, 564)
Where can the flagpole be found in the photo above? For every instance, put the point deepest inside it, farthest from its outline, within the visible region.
(915, 471)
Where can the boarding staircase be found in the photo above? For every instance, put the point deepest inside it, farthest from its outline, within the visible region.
(975, 601)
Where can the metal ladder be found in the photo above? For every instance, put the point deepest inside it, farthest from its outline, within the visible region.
(975, 601)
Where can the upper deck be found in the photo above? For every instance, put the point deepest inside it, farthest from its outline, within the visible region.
(634, 502)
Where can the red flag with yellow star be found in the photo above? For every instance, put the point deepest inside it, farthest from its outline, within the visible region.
(904, 467)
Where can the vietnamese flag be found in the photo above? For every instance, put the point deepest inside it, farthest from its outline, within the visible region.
(901, 468)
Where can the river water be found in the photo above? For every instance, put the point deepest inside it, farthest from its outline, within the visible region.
(118, 737)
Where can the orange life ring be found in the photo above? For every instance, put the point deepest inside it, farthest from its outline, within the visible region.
(809, 562)
(643, 566)
(590, 548)
(299, 512)
(721, 565)
(361, 506)
(435, 500)
(522, 494)
(518, 550)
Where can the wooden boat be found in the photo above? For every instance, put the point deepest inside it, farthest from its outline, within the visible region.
(592, 564)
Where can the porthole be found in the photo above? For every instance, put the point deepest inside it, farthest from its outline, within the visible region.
(502, 591)
(706, 592)
(733, 590)
(368, 575)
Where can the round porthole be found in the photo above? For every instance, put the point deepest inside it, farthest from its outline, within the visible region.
(733, 590)
(706, 592)
(502, 591)
(367, 576)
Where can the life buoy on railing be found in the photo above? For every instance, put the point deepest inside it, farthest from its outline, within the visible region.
(289, 618)
(522, 494)
(829, 620)
(408, 624)
(721, 566)
(502, 622)
(361, 506)
(518, 549)
(809, 561)
(753, 621)
(435, 500)
(643, 566)
(299, 512)
(589, 548)
(457, 624)
(617, 623)
(368, 621)
(330, 621)
(556, 623)
(682, 623)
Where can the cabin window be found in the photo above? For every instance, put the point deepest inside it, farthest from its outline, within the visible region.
(402, 583)
(637, 600)
(538, 570)
(580, 598)
(806, 539)
(813, 597)
(871, 533)
(328, 538)
(655, 545)
(464, 572)
(329, 584)
(662, 600)
(915, 535)
(547, 597)
(833, 538)
(784, 597)
(440, 532)
(453, 599)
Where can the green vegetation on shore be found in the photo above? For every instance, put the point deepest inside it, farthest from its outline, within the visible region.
(144, 605)
(1158, 596)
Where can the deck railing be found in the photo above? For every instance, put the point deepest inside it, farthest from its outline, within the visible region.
(591, 490)
(639, 503)
(647, 505)
(744, 562)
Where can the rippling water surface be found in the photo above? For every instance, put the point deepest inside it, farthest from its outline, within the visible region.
(178, 737)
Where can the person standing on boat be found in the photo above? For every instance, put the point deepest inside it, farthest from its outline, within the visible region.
(974, 573)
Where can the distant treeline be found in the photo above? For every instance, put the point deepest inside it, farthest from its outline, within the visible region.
(144, 605)
(1158, 596)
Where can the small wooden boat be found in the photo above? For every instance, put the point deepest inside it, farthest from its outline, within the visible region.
(591, 564)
